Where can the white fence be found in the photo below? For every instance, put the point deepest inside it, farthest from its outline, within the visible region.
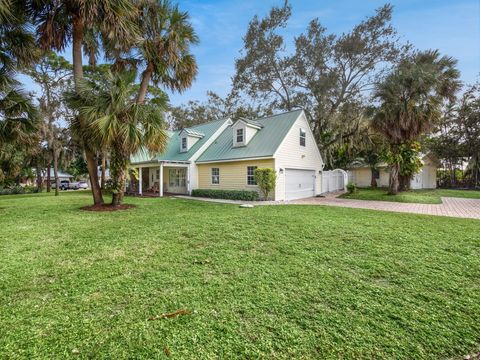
(334, 180)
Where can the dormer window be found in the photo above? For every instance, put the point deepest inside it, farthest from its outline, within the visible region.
(188, 138)
(239, 135)
(244, 131)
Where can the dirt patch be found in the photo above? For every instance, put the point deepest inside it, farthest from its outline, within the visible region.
(108, 207)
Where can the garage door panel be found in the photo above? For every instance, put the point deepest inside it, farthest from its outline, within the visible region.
(299, 184)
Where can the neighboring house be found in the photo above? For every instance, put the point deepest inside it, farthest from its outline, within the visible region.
(224, 154)
(426, 178)
(61, 176)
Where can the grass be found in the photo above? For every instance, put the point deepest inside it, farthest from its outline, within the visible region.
(432, 196)
(268, 282)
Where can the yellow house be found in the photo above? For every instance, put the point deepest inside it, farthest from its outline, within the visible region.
(426, 178)
(224, 154)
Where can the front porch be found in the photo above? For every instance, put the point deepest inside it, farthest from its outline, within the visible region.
(160, 179)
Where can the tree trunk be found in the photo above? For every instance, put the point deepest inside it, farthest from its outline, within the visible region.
(118, 173)
(49, 185)
(39, 178)
(55, 169)
(373, 181)
(93, 176)
(403, 183)
(393, 181)
(78, 29)
(119, 192)
(104, 167)
(146, 76)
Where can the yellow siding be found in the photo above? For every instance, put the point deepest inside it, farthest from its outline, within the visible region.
(233, 175)
(362, 177)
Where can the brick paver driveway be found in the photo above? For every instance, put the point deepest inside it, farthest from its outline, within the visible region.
(454, 207)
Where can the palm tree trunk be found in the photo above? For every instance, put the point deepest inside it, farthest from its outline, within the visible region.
(39, 177)
(118, 173)
(104, 167)
(373, 181)
(55, 169)
(146, 76)
(48, 177)
(119, 193)
(92, 170)
(78, 29)
(393, 181)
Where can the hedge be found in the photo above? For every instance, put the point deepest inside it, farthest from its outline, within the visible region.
(246, 195)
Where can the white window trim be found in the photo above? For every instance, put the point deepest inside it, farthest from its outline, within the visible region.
(237, 135)
(304, 137)
(184, 149)
(211, 176)
(256, 167)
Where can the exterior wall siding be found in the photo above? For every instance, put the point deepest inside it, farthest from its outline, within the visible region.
(425, 179)
(362, 177)
(291, 155)
(233, 175)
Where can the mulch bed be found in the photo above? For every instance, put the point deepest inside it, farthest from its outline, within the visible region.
(108, 207)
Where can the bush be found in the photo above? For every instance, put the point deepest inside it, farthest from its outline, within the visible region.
(246, 195)
(265, 179)
(29, 189)
(16, 189)
(352, 188)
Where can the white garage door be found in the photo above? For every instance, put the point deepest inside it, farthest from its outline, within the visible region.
(299, 184)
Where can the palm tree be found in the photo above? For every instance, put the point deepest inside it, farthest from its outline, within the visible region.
(411, 98)
(164, 48)
(17, 50)
(59, 21)
(119, 123)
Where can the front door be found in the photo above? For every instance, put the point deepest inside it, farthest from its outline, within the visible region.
(177, 180)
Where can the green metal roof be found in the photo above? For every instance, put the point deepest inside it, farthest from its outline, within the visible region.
(263, 144)
(251, 122)
(172, 152)
(193, 132)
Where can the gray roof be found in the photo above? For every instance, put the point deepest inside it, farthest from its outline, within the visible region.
(263, 144)
(61, 174)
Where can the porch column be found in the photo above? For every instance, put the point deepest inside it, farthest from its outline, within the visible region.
(160, 181)
(189, 183)
(140, 181)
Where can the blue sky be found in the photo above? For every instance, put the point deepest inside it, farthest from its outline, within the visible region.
(452, 26)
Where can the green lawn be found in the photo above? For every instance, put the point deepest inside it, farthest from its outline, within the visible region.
(268, 282)
(412, 196)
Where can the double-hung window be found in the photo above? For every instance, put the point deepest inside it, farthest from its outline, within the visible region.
(184, 144)
(215, 176)
(239, 135)
(303, 136)
(251, 175)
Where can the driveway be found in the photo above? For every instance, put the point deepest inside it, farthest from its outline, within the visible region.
(453, 207)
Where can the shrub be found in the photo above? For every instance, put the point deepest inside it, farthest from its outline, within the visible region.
(351, 188)
(265, 179)
(29, 189)
(16, 189)
(246, 195)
